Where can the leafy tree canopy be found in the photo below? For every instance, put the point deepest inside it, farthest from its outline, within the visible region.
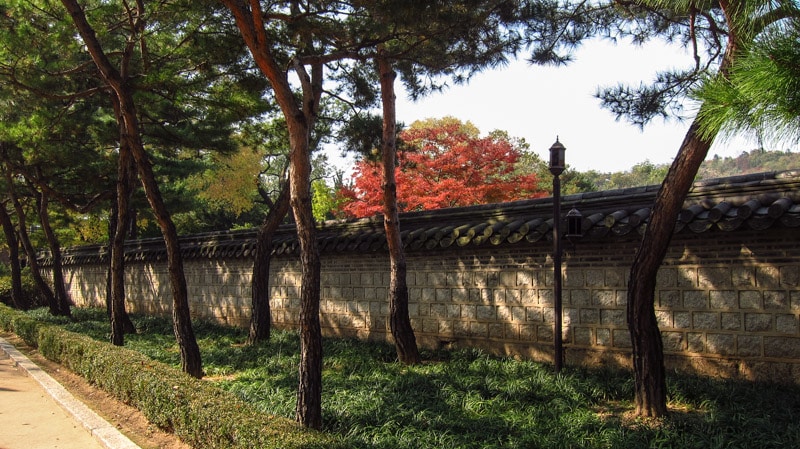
(444, 163)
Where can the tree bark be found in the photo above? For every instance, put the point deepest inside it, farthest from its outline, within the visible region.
(648, 352)
(18, 297)
(181, 317)
(300, 118)
(62, 301)
(260, 318)
(30, 251)
(399, 322)
(120, 320)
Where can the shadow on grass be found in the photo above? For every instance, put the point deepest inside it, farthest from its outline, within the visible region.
(467, 399)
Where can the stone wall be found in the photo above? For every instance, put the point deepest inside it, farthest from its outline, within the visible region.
(728, 304)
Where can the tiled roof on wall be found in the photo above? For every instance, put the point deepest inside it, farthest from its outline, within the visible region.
(755, 202)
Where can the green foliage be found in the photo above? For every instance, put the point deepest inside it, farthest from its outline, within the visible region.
(759, 96)
(29, 289)
(455, 399)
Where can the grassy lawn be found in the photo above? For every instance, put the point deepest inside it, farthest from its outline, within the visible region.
(467, 399)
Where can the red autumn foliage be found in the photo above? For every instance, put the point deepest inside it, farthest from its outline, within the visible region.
(444, 163)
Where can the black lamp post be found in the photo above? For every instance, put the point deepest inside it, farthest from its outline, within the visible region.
(557, 166)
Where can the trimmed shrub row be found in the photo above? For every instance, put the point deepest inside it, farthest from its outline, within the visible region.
(202, 415)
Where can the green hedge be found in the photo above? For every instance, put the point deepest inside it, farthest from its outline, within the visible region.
(202, 415)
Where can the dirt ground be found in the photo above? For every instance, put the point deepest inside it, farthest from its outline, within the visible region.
(127, 419)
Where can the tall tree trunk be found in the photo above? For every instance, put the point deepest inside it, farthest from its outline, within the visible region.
(261, 315)
(648, 351)
(181, 317)
(301, 115)
(18, 297)
(120, 320)
(30, 251)
(63, 302)
(399, 322)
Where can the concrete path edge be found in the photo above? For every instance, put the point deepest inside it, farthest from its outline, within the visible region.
(105, 433)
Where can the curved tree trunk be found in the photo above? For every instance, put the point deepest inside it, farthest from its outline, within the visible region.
(648, 352)
(63, 302)
(260, 318)
(399, 322)
(30, 251)
(300, 118)
(18, 297)
(129, 129)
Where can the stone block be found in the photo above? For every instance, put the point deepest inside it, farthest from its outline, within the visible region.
(749, 345)
(682, 320)
(583, 336)
(589, 316)
(486, 313)
(508, 279)
(612, 317)
(790, 276)
(782, 347)
(750, 299)
(469, 312)
(574, 278)
(721, 344)
(603, 298)
(705, 320)
(534, 314)
(594, 278)
(687, 277)
(743, 276)
(454, 310)
(694, 299)
(515, 296)
(478, 330)
(673, 341)
(603, 337)
(776, 300)
(579, 297)
(723, 299)
(525, 278)
(443, 295)
(786, 324)
(544, 333)
(667, 278)
(731, 321)
(527, 332)
(615, 278)
(758, 322)
(768, 276)
(695, 342)
(669, 299)
(622, 338)
(495, 330)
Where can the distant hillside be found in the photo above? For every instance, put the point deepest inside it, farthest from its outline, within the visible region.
(755, 161)
(646, 173)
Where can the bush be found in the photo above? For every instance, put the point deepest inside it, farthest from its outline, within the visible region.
(200, 414)
(29, 289)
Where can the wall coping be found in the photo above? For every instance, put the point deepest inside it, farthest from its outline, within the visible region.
(761, 201)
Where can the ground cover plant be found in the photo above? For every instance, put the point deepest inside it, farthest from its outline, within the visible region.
(468, 399)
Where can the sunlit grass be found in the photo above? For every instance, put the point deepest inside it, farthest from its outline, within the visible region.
(468, 399)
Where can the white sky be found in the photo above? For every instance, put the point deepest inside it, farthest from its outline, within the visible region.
(540, 103)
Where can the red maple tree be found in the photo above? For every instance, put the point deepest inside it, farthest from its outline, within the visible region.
(444, 163)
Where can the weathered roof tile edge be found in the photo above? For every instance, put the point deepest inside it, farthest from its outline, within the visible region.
(757, 201)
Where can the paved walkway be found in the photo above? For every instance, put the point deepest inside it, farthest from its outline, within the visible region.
(36, 412)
